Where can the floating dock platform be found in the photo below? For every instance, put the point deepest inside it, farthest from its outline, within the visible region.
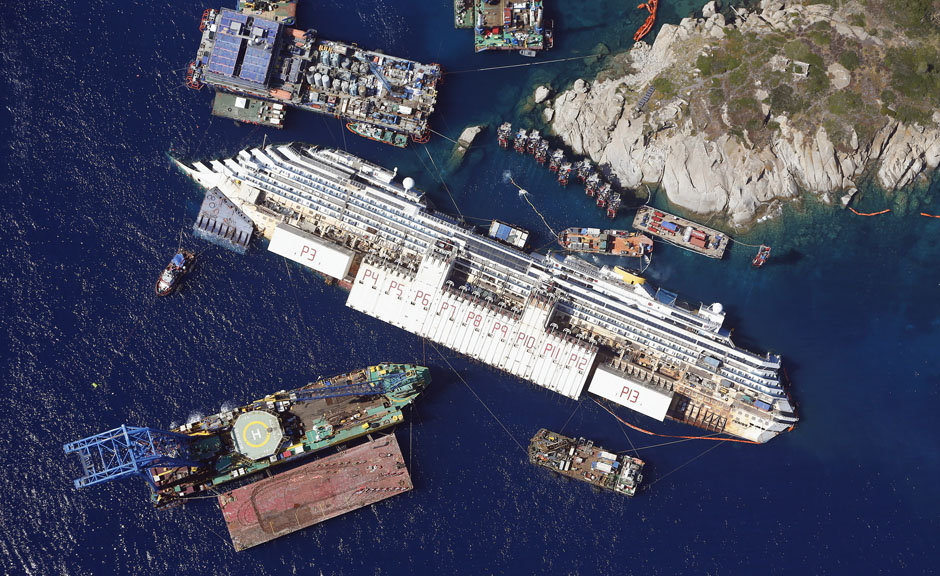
(248, 110)
(681, 232)
(314, 492)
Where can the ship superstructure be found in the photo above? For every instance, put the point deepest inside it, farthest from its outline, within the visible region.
(252, 56)
(560, 323)
(282, 427)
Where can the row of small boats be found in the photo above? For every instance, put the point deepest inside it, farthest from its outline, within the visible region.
(531, 142)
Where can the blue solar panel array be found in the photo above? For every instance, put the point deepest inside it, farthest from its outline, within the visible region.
(225, 54)
(232, 22)
(234, 31)
(255, 64)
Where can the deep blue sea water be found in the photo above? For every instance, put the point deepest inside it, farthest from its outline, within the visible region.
(92, 102)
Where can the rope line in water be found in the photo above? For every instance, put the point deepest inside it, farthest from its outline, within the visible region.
(638, 429)
(433, 131)
(441, 178)
(660, 445)
(565, 425)
(472, 391)
(745, 243)
(627, 436)
(521, 65)
(681, 466)
(525, 196)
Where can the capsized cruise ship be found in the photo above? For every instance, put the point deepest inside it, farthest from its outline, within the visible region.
(562, 324)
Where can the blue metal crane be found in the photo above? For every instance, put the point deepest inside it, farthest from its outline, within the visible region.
(378, 74)
(128, 451)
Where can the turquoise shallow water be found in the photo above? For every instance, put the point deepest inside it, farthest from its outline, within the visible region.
(93, 210)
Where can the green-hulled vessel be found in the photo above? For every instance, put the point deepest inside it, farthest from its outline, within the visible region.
(274, 430)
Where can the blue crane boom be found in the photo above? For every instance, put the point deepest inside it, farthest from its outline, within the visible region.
(128, 451)
(378, 74)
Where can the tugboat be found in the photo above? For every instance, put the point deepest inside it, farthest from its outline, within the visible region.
(613, 204)
(519, 144)
(763, 253)
(558, 157)
(174, 272)
(584, 170)
(541, 152)
(373, 132)
(591, 183)
(603, 195)
(533, 142)
(564, 172)
(503, 134)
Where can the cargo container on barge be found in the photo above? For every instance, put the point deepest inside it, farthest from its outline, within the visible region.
(681, 232)
(558, 322)
(254, 57)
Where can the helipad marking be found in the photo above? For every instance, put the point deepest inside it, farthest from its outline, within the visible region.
(256, 434)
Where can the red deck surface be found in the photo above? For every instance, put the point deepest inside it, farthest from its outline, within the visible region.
(315, 492)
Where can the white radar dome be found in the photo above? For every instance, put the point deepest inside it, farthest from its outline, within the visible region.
(717, 308)
(409, 183)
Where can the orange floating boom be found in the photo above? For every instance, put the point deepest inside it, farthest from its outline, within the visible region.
(869, 213)
(650, 20)
(929, 215)
(638, 429)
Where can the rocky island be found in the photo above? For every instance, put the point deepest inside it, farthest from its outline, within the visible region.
(754, 107)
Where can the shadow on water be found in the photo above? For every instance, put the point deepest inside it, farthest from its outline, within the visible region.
(790, 257)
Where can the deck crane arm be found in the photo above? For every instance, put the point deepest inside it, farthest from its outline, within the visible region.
(378, 74)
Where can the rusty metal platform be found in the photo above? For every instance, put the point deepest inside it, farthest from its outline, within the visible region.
(315, 492)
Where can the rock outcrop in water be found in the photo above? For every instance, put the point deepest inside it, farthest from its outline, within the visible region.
(707, 160)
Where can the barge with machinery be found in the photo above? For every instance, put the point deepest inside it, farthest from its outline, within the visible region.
(278, 429)
(256, 58)
(681, 232)
(611, 242)
(582, 460)
(559, 322)
(506, 25)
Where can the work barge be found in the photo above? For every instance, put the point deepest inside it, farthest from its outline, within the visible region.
(558, 322)
(505, 25)
(681, 232)
(580, 459)
(382, 97)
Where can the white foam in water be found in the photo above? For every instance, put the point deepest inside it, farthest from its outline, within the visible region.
(507, 176)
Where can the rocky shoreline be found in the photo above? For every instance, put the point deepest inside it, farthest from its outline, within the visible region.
(708, 168)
